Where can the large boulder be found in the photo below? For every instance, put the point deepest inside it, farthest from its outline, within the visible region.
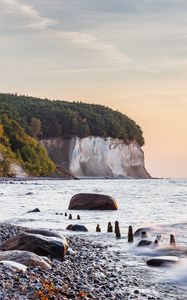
(51, 247)
(26, 258)
(44, 232)
(77, 227)
(92, 202)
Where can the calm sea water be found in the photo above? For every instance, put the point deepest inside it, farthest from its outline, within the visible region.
(161, 204)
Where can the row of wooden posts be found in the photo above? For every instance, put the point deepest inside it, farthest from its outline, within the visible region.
(130, 231)
(70, 216)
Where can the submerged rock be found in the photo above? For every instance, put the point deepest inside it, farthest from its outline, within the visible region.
(144, 243)
(77, 227)
(33, 211)
(26, 258)
(92, 202)
(52, 247)
(162, 261)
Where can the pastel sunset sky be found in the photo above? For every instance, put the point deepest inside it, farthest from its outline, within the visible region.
(130, 55)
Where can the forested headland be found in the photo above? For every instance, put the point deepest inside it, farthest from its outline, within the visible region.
(42, 118)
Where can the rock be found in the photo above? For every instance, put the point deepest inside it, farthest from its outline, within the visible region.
(144, 243)
(34, 210)
(44, 232)
(76, 227)
(51, 247)
(92, 201)
(14, 265)
(26, 258)
(161, 261)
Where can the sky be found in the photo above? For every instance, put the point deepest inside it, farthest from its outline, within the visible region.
(130, 55)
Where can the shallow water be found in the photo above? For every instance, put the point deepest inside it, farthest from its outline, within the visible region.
(161, 204)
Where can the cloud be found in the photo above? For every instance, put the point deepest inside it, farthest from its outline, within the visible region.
(86, 40)
(89, 41)
(35, 19)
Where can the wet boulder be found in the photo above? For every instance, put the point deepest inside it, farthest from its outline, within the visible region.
(52, 247)
(162, 261)
(77, 227)
(26, 258)
(44, 232)
(144, 243)
(87, 201)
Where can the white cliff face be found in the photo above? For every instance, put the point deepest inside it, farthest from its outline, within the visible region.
(95, 156)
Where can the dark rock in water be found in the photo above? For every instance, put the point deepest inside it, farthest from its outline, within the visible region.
(44, 232)
(144, 243)
(34, 210)
(77, 227)
(162, 261)
(92, 202)
(51, 247)
(26, 258)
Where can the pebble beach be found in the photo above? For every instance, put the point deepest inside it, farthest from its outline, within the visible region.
(89, 271)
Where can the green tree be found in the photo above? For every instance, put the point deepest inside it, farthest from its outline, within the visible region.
(35, 127)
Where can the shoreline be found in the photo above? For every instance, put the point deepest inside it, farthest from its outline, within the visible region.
(90, 271)
(18, 179)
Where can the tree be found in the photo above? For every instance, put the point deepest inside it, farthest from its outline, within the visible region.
(35, 127)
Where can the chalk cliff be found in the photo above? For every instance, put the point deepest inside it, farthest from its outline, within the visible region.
(97, 157)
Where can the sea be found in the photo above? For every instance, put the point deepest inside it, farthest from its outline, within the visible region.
(159, 205)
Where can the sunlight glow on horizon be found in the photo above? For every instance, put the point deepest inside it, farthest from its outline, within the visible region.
(130, 56)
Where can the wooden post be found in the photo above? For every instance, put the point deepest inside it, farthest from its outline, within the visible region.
(117, 230)
(98, 229)
(109, 227)
(144, 234)
(172, 240)
(130, 235)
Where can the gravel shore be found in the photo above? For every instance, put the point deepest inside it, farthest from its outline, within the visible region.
(89, 271)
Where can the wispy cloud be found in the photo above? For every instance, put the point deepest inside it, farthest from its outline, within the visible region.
(86, 40)
(35, 19)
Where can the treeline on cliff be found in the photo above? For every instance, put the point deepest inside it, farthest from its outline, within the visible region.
(18, 147)
(43, 118)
